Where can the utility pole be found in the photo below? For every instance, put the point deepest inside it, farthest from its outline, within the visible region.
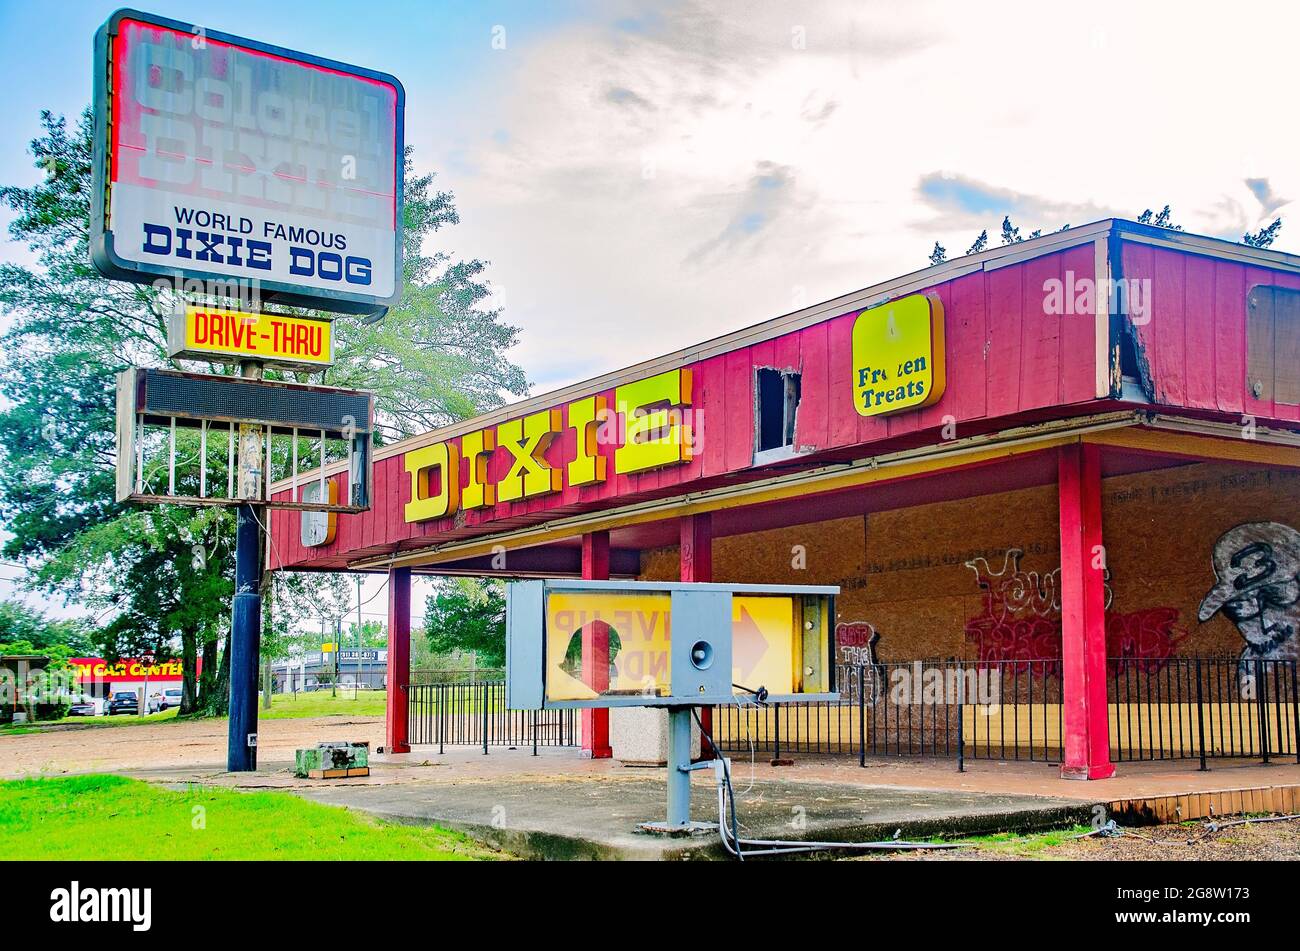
(357, 685)
(338, 637)
(246, 623)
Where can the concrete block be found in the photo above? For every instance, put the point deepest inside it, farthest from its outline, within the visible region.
(639, 736)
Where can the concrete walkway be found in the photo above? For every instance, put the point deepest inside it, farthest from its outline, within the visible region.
(558, 805)
(593, 818)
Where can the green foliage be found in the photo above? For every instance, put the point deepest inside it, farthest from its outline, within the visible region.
(163, 576)
(1010, 233)
(1264, 236)
(1160, 219)
(374, 634)
(22, 624)
(468, 615)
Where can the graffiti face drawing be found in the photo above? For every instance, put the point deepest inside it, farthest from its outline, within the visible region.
(1258, 570)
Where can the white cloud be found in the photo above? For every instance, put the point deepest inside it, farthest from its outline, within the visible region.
(660, 184)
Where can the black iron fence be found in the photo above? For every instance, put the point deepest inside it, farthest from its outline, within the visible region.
(1184, 708)
(995, 710)
(1203, 708)
(474, 714)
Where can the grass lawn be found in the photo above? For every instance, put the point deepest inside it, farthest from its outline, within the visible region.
(112, 817)
(319, 703)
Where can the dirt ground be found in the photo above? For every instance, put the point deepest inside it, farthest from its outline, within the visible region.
(1190, 842)
(198, 745)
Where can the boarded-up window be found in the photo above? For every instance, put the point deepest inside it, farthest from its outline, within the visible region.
(1273, 344)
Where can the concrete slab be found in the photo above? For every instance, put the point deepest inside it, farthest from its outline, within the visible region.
(596, 817)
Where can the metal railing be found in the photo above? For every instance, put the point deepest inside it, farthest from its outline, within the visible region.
(1203, 708)
(992, 710)
(475, 714)
(1182, 708)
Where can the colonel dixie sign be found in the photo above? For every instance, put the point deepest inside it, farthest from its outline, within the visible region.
(222, 159)
(652, 415)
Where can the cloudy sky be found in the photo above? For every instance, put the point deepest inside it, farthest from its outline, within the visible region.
(642, 176)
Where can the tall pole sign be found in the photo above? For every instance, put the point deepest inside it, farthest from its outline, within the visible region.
(231, 170)
(221, 159)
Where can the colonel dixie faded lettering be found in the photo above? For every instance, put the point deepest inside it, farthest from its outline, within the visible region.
(656, 432)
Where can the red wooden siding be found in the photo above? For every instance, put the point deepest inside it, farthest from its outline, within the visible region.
(1195, 340)
(1005, 356)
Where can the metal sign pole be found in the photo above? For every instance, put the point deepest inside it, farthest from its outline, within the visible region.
(246, 622)
(679, 768)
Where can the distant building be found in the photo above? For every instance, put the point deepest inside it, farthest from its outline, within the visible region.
(367, 667)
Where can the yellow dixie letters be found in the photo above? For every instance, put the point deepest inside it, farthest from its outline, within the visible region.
(442, 459)
(526, 439)
(586, 416)
(477, 449)
(656, 434)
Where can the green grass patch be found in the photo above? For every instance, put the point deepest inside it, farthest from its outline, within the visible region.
(102, 817)
(1024, 844)
(319, 703)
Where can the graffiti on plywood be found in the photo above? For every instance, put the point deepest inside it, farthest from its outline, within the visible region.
(855, 650)
(1021, 618)
(1257, 572)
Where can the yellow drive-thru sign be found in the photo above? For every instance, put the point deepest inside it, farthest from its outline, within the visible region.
(209, 333)
(605, 643)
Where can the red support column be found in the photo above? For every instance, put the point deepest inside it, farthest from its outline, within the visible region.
(1083, 615)
(697, 547)
(595, 650)
(697, 565)
(399, 659)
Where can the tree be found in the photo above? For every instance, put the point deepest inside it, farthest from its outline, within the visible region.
(20, 623)
(468, 615)
(1264, 236)
(437, 357)
(1010, 233)
(374, 634)
(1161, 219)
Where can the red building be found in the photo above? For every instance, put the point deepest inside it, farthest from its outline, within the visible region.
(1056, 459)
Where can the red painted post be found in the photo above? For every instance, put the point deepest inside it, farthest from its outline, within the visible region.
(1083, 615)
(399, 659)
(595, 650)
(697, 565)
(697, 547)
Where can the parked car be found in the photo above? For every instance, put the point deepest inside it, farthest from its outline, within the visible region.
(87, 707)
(123, 701)
(171, 697)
